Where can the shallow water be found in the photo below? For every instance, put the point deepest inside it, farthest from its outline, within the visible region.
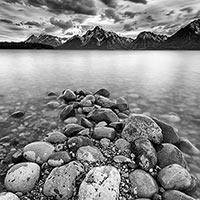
(157, 82)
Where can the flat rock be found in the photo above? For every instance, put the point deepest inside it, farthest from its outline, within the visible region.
(100, 183)
(103, 114)
(103, 92)
(174, 177)
(38, 152)
(145, 153)
(104, 102)
(103, 132)
(61, 181)
(143, 184)
(72, 129)
(169, 154)
(55, 137)
(142, 126)
(176, 195)
(22, 177)
(67, 112)
(89, 154)
(8, 196)
(59, 158)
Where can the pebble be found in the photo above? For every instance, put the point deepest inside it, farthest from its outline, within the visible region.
(22, 177)
(8, 196)
(176, 195)
(105, 142)
(59, 158)
(103, 92)
(122, 145)
(103, 132)
(86, 123)
(122, 159)
(53, 104)
(67, 112)
(122, 104)
(69, 95)
(71, 120)
(72, 129)
(104, 102)
(55, 137)
(17, 114)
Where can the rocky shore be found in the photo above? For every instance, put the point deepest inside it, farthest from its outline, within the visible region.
(97, 149)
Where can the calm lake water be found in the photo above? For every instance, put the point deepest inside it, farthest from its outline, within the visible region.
(157, 82)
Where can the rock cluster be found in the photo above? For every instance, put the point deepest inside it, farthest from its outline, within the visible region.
(102, 152)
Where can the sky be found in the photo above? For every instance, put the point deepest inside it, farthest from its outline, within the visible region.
(64, 18)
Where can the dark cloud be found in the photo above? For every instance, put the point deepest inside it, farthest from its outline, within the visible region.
(111, 14)
(129, 14)
(150, 19)
(128, 27)
(6, 21)
(61, 23)
(197, 15)
(187, 9)
(33, 23)
(110, 3)
(170, 13)
(138, 1)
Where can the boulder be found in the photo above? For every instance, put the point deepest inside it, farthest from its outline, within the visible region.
(175, 195)
(142, 184)
(22, 177)
(59, 158)
(61, 181)
(38, 152)
(142, 126)
(103, 132)
(100, 183)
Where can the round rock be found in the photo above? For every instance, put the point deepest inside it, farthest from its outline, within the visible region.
(22, 177)
(69, 95)
(72, 129)
(100, 183)
(176, 195)
(59, 158)
(142, 126)
(8, 196)
(55, 137)
(38, 152)
(67, 112)
(104, 132)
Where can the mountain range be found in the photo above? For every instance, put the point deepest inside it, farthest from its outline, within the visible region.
(187, 38)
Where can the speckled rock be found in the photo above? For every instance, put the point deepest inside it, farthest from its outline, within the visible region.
(122, 104)
(176, 195)
(100, 183)
(187, 147)
(55, 137)
(103, 92)
(142, 126)
(123, 145)
(69, 95)
(72, 129)
(170, 134)
(89, 154)
(8, 196)
(103, 114)
(67, 112)
(59, 158)
(104, 132)
(61, 181)
(104, 102)
(22, 177)
(76, 142)
(145, 153)
(38, 152)
(169, 154)
(174, 177)
(143, 184)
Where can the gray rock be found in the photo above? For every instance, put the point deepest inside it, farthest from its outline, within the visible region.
(145, 153)
(89, 154)
(122, 116)
(85, 103)
(55, 137)
(118, 126)
(123, 145)
(122, 159)
(100, 183)
(122, 104)
(59, 158)
(103, 92)
(72, 129)
(90, 97)
(105, 142)
(176, 195)
(67, 112)
(104, 102)
(87, 109)
(38, 152)
(8, 196)
(142, 184)
(104, 132)
(86, 123)
(174, 177)
(142, 126)
(71, 120)
(103, 114)
(169, 154)
(69, 95)
(61, 181)
(22, 177)
(17, 114)
(53, 104)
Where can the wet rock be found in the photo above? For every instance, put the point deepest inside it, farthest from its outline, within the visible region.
(8, 196)
(72, 129)
(90, 98)
(122, 145)
(85, 103)
(67, 112)
(55, 137)
(89, 154)
(103, 114)
(38, 152)
(145, 153)
(86, 123)
(61, 181)
(122, 159)
(17, 114)
(170, 135)
(71, 120)
(103, 92)
(174, 177)
(122, 116)
(142, 126)
(103, 132)
(59, 158)
(53, 104)
(176, 195)
(169, 154)
(142, 184)
(69, 95)
(22, 177)
(118, 126)
(100, 183)
(187, 147)
(76, 142)
(101, 124)
(104, 102)
(122, 104)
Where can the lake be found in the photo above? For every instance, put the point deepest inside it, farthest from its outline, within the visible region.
(159, 83)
